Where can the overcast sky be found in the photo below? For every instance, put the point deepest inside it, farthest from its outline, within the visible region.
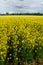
(21, 6)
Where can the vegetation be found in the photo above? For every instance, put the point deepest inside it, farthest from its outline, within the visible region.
(7, 13)
(21, 40)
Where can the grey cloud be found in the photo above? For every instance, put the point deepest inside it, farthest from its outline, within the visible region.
(21, 6)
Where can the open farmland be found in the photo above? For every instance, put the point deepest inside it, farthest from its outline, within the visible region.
(21, 40)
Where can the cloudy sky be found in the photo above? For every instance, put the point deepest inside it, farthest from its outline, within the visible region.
(21, 6)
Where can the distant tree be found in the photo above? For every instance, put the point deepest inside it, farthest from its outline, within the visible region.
(7, 13)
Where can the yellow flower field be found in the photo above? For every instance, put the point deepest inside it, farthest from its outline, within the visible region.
(21, 39)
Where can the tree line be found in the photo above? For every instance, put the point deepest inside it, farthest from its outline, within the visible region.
(7, 13)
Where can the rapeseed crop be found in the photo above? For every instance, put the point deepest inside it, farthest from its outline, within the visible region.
(21, 40)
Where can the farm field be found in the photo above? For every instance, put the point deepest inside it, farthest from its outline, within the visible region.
(21, 40)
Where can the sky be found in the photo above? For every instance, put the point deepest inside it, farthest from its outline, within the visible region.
(21, 6)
